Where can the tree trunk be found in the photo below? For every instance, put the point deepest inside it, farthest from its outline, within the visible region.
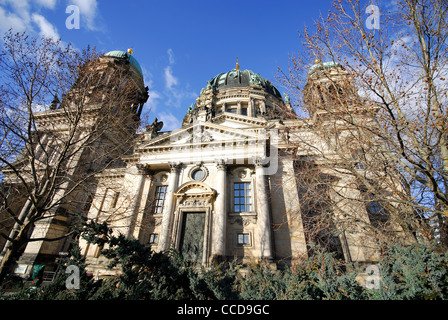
(12, 252)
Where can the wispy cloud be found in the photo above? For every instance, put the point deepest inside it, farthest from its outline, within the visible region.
(11, 20)
(28, 15)
(170, 79)
(171, 56)
(46, 29)
(168, 102)
(25, 15)
(50, 4)
(170, 122)
(88, 11)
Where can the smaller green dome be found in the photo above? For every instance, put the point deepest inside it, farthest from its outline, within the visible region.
(324, 65)
(127, 56)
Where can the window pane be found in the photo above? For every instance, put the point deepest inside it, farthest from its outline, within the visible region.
(242, 196)
(198, 174)
(159, 200)
(153, 238)
(243, 238)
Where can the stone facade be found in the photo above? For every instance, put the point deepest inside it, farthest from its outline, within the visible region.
(220, 187)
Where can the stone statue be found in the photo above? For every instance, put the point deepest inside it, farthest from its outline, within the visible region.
(255, 79)
(155, 127)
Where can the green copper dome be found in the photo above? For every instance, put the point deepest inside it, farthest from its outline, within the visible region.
(324, 65)
(127, 56)
(238, 78)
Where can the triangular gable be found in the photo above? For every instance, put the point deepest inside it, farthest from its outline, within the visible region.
(201, 132)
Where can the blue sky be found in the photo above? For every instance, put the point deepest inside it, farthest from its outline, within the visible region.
(179, 44)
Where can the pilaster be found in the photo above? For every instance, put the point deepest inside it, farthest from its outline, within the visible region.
(167, 217)
(263, 211)
(220, 216)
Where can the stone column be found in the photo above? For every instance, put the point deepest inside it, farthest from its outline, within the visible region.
(238, 108)
(164, 240)
(250, 108)
(220, 216)
(146, 187)
(142, 171)
(263, 212)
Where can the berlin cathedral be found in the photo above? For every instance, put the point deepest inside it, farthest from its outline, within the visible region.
(221, 187)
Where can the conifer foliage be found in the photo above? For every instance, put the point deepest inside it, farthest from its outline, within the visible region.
(412, 272)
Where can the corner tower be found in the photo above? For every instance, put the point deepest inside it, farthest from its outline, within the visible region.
(89, 130)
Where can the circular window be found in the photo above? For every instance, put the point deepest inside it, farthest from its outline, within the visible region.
(198, 174)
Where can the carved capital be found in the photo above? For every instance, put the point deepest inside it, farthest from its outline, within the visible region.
(143, 169)
(221, 164)
(174, 166)
(260, 161)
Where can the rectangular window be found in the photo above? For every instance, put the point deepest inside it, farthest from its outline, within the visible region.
(243, 239)
(153, 238)
(242, 198)
(232, 109)
(159, 200)
(113, 204)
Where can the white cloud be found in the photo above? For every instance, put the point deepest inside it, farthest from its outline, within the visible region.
(10, 20)
(46, 29)
(170, 122)
(22, 15)
(170, 79)
(151, 104)
(50, 4)
(171, 56)
(88, 11)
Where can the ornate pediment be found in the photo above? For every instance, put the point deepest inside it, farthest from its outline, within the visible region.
(195, 189)
(200, 133)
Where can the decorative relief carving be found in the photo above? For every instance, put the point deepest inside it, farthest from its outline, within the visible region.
(242, 174)
(193, 203)
(244, 221)
(156, 222)
(163, 178)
